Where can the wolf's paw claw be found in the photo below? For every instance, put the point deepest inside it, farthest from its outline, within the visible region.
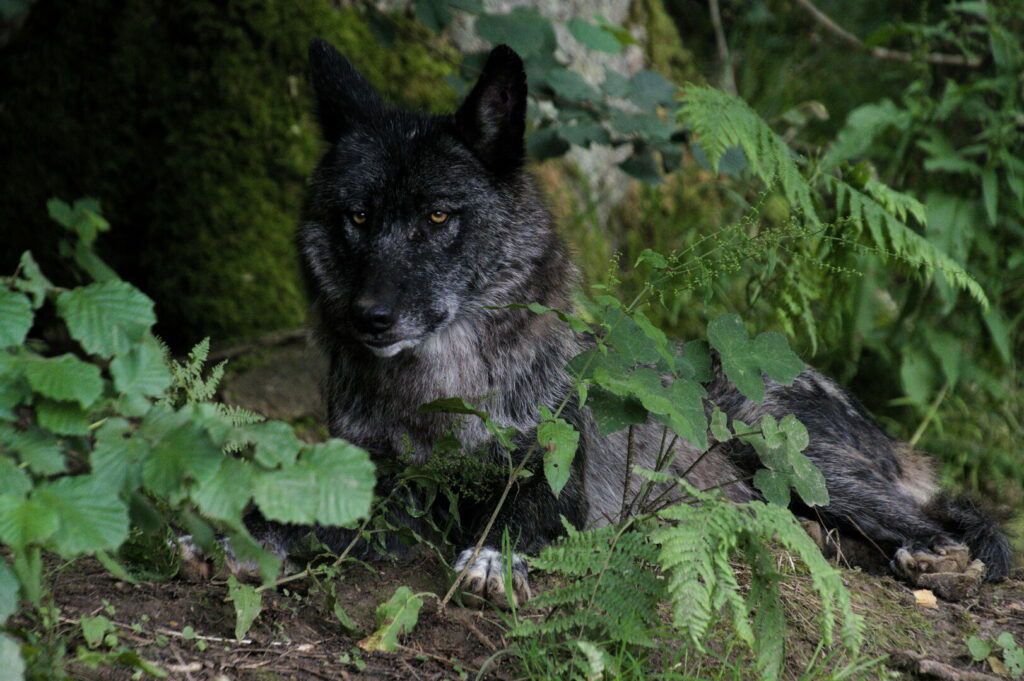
(486, 577)
(948, 571)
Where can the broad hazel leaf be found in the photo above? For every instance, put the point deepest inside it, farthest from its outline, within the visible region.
(92, 515)
(594, 37)
(141, 372)
(26, 521)
(15, 318)
(345, 481)
(183, 455)
(107, 318)
(32, 281)
(65, 378)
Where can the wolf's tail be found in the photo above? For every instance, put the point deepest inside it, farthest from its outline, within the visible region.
(967, 521)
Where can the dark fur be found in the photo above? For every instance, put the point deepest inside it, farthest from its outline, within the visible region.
(398, 278)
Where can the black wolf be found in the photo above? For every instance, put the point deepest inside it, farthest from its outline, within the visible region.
(418, 232)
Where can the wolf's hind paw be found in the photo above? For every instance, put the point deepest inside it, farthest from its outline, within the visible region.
(486, 577)
(948, 571)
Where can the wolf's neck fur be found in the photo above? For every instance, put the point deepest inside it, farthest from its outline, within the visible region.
(505, 361)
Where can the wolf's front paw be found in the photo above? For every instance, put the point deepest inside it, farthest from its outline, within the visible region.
(197, 566)
(486, 577)
(948, 571)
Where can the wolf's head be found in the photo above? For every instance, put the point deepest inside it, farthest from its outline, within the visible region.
(412, 220)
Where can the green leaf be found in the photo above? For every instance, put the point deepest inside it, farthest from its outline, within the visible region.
(545, 143)
(396, 617)
(558, 441)
(65, 378)
(612, 412)
(26, 521)
(345, 478)
(743, 360)
(107, 318)
(92, 516)
(524, 30)
(457, 405)
(95, 629)
(570, 85)
(584, 134)
(573, 321)
(8, 592)
(287, 496)
(10, 659)
(720, 425)
(63, 418)
(142, 371)
(248, 603)
(643, 166)
(276, 443)
(594, 37)
(184, 454)
(32, 281)
(224, 495)
(980, 648)
(39, 450)
(15, 318)
(773, 485)
(118, 455)
(918, 376)
(648, 89)
(688, 418)
(13, 480)
(83, 218)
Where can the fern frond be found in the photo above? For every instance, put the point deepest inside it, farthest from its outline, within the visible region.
(884, 210)
(697, 546)
(721, 121)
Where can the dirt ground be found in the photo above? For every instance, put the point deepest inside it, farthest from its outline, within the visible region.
(297, 638)
(188, 628)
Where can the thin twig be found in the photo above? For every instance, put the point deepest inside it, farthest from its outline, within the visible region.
(728, 77)
(883, 52)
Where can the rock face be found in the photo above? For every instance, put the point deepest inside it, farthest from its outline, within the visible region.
(286, 385)
(599, 164)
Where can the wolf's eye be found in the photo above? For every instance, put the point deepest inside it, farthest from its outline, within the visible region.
(439, 217)
(358, 216)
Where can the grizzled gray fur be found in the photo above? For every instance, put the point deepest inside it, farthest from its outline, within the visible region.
(419, 228)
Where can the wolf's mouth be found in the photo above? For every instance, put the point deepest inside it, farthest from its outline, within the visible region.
(387, 347)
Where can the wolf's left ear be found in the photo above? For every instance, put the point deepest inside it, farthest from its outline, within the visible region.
(343, 97)
(492, 120)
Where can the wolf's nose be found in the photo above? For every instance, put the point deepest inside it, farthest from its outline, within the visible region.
(374, 316)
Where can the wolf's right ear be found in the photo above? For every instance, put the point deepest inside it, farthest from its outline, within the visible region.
(343, 97)
(492, 120)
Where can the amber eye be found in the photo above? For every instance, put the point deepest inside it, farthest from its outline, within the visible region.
(439, 217)
(358, 216)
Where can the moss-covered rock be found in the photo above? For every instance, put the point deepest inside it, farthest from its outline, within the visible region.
(191, 121)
